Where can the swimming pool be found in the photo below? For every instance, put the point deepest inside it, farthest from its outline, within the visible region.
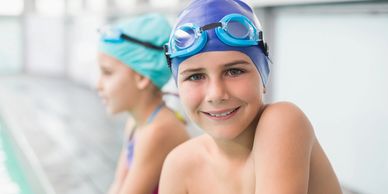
(17, 174)
(12, 179)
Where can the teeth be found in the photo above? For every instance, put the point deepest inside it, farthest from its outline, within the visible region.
(221, 114)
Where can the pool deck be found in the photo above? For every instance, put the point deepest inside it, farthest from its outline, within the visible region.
(75, 142)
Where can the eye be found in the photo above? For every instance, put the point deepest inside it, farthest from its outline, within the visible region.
(195, 77)
(234, 72)
(106, 72)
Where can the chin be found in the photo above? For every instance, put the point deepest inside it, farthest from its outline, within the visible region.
(224, 133)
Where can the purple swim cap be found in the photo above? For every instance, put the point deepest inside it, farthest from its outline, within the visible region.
(203, 12)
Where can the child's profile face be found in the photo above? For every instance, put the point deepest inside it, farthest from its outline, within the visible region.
(221, 92)
(116, 85)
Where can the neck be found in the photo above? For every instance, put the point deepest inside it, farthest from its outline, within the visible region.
(239, 148)
(145, 106)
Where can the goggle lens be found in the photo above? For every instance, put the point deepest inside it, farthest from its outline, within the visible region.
(184, 37)
(110, 34)
(237, 30)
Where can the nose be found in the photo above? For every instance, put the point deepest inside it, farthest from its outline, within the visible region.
(217, 91)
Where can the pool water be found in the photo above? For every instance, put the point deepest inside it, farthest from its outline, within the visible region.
(12, 178)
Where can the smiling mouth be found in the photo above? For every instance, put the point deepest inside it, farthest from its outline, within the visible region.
(222, 114)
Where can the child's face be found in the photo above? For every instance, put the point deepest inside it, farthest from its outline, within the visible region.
(221, 92)
(116, 85)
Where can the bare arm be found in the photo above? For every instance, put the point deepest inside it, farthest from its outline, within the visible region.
(121, 172)
(282, 150)
(122, 164)
(172, 180)
(150, 151)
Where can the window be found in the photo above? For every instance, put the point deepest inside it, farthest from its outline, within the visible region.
(96, 5)
(50, 7)
(11, 7)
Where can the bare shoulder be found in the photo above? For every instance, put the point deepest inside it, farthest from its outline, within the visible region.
(284, 118)
(180, 164)
(157, 139)
(166, 129)
(282, 149)
(170, 124)
(188, 155)
(282, 109)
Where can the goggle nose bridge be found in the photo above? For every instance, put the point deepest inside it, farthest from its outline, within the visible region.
(210, 26)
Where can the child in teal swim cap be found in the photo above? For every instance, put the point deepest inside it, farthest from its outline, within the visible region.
(220, 62)
(133, 71)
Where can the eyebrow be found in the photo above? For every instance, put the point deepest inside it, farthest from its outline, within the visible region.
(238, 62)
(229, 64)
(191, 70)
(105, 67)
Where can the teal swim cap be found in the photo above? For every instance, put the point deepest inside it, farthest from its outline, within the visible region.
(153, 29)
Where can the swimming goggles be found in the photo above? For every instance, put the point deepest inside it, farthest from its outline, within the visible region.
(115, 35)
(233, 30)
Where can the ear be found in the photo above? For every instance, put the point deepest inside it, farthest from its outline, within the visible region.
(141, 81)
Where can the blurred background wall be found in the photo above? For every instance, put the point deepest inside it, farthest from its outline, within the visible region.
(329, 57)
(333, 62)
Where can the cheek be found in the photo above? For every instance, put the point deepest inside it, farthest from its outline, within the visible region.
(125, 88)
(191, 96)
(110, 86)
(117, 85)
(122, 93)
(248, 89)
